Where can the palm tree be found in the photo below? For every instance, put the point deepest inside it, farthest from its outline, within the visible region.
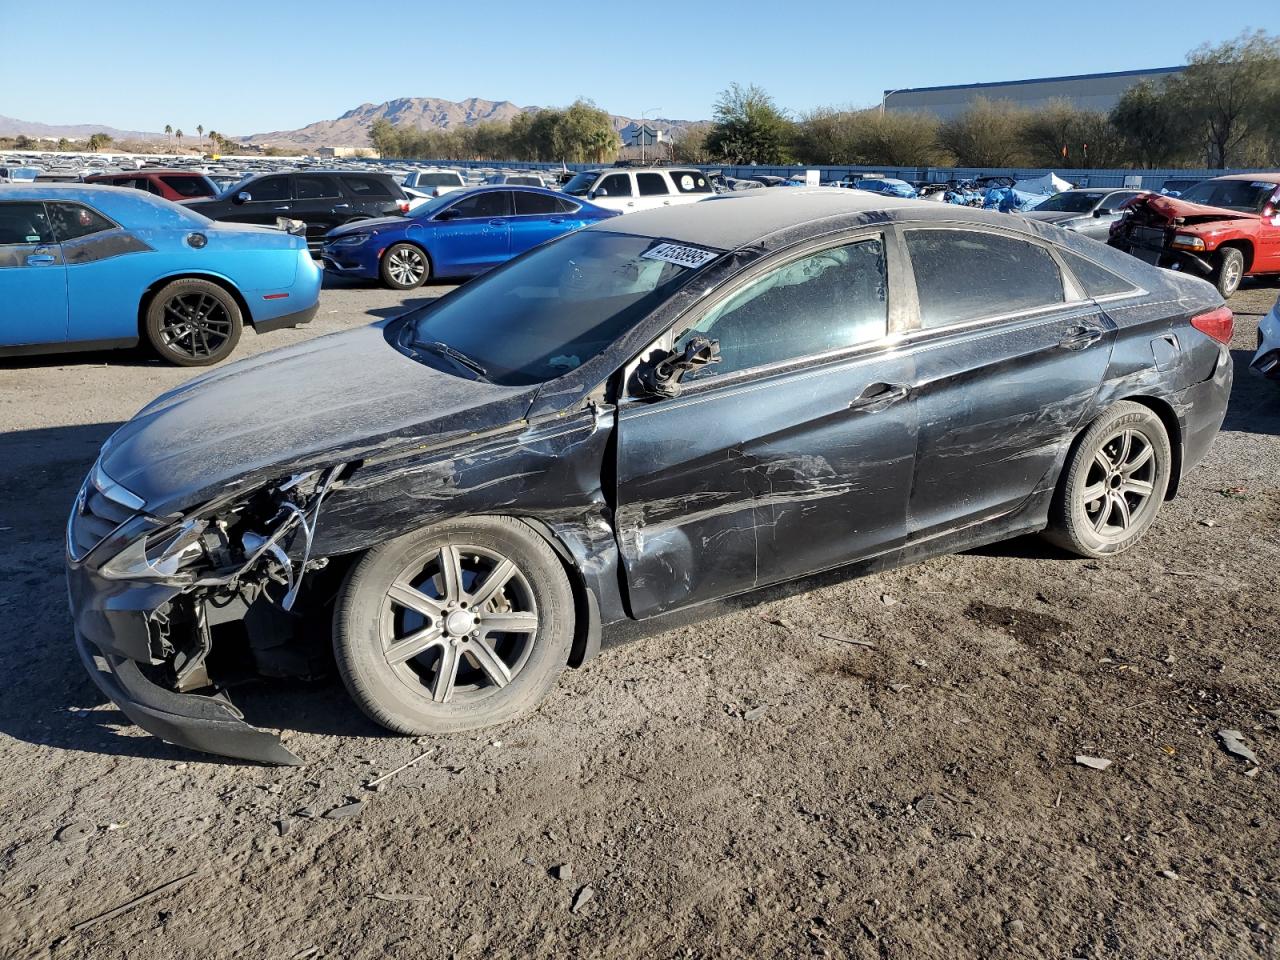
(168, 131)
(178, 133)
(200, 130)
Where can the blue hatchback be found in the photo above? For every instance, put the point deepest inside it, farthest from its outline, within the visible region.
(459, 234)
(93, 267)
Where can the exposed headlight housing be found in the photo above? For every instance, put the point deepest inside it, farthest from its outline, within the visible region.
(161, 555)
(1187, 241)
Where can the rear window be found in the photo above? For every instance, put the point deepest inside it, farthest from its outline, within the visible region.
(315, 188)
(690, 181)
(964, 275)
(189, 186)
(367, 187)
(1097, 281)
(439, 180)
(532, 204)
(71, 221)
(652, 185)
(1247, 196)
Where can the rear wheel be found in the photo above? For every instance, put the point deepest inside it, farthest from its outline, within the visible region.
(1113, 483)
(1229, 271)
(404, 266)
(193, 323)
(460, 626)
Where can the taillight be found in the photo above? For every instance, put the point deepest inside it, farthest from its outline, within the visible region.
(1219, 324)
(404, 206)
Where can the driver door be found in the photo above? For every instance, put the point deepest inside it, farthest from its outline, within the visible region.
(792, 455)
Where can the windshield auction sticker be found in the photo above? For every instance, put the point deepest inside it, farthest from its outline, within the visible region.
(680, 255)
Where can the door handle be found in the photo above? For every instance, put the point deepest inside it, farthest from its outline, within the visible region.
(631, 203)
(40, 260)
(1079, 337)
(880, 395)
(285, 207)
(342, 206)
(497, 223)
(557, 219)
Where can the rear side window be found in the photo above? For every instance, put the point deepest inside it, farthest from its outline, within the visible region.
(367, 188)
(71, 221)
(826, 301)
(964, 275)
(268, 188)
(188, 186)
(24, 223)
(690, 181)
(534, 204)
(652, 185)
(615, 185)
(1097, 281)
(315, 188)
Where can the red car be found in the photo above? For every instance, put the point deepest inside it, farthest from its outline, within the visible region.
(1222, 229)
(170, 184)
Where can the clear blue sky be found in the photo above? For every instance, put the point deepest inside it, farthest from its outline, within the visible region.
(243, 68)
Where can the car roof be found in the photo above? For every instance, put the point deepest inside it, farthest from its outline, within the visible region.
(729, 222)
(1260, 177)
(53, 190)
(151, 171)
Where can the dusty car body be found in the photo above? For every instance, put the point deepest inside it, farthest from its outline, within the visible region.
(1089, 212)
(1234, 236)
(1266, 360)
(655, 481)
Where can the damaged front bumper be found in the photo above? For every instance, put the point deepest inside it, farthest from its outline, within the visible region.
(148, 596)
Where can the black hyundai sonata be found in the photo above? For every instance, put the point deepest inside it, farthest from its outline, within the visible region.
(648, 416)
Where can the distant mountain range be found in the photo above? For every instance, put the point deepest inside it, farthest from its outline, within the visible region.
(349, 130)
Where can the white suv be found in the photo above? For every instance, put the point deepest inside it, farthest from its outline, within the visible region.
(643, 188)
(435, 182)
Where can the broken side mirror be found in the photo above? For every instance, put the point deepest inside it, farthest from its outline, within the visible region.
(661, 376)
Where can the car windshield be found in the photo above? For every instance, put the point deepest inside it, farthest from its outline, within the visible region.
(439, 180)
(581, 185)
(548, 312)
(1247, 196)
(1070, 202)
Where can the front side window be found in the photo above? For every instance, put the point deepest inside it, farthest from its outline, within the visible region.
(268, 189)
(964, 275)
(24, 223)
(315, 188)
(1073, 201)
(825, 301)
(652, 185)
(615, 185)
(71, 221)
(548, 312)
(483, 206)
(1117, 200)
(367, 188)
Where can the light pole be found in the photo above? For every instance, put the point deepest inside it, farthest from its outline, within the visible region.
(644, 114)
(887, 95)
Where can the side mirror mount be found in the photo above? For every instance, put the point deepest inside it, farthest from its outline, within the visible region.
(661, 376)
(592, 194)
(242, 197)
(1103, 212)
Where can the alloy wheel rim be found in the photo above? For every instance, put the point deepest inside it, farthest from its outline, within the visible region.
(1119, 484)
(195, 324)
(406, 266)
(459, 624)
(1233, 275)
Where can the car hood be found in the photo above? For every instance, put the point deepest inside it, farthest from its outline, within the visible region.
(369, 226)
(324, 401)
(1169, 210)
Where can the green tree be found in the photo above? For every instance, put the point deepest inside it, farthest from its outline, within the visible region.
(168, 132)
(63, 145)
(1156, 131)
(178, 133)
(749, 127)
(1230, 94)
(98, 140)
(989, 133)
(200, 132)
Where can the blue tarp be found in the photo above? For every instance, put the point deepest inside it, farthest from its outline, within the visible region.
(1008, 200)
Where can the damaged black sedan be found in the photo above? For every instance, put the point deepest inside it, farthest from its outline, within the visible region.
(625, 427)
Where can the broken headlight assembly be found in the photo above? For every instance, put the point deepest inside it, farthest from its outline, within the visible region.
(168, 555)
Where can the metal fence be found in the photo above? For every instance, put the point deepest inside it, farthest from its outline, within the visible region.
(1146, 179)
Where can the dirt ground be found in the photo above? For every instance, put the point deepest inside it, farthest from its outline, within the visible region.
(748, 787)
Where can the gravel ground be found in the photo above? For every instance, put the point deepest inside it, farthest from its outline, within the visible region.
(742, 788)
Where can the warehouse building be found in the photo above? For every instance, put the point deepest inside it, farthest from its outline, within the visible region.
(1090, 91)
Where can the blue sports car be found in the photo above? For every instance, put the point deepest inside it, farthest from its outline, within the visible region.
(92, 267)
(459, 234)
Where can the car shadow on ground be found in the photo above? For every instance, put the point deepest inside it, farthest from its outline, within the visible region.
(139, 356)
(1255, 401)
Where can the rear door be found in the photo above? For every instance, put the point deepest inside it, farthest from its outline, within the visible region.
(370, 196)
(792, 455)
(475, 235)
(538, 217)
(652, 190)
(33, 278)
(318, 200)
(1009, 358)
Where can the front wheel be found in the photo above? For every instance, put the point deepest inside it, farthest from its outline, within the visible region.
(404, 266)
(460, 626)
(1113, 483)
(193, 323)
(1229, 271)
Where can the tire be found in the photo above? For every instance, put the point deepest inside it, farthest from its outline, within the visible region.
(404, 266)
(193, 323)
(1102, 462)
(1228, 271)
(393, 653)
